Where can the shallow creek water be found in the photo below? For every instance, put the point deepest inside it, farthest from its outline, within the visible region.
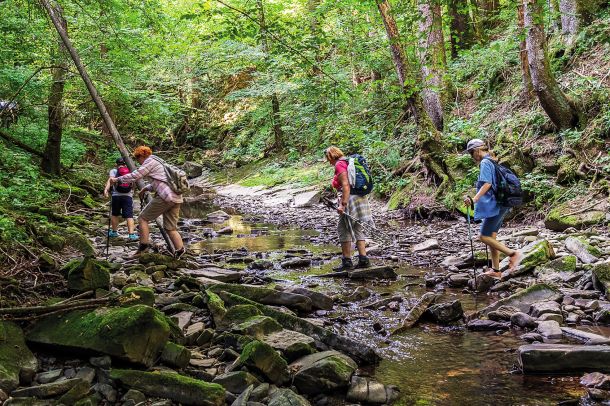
(431, 365)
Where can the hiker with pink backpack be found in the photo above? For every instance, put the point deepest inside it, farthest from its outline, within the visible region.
(121, 202)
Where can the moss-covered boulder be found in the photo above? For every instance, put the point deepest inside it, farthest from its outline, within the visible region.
(534, 254)
(266, 296)
(524, 298)
(138, 295)
(237, 381)
(265, 360)
(87, 274)
(557, 271)
(175, 355)
(257, 326)
(326, 372)
(571, 214)
(291, 344)
(601, 277)
(136, 334)
(240, 313)
(584, 251)
(216, 307)
(284, 397)
(173, 386)
(16, 360)
(151, 258)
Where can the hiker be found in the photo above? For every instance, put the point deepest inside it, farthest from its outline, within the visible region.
(121, 202)
(165, 202)
(487, 209)
(355, 206)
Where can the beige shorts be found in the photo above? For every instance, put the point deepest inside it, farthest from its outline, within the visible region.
(345, 229)
(157, 207)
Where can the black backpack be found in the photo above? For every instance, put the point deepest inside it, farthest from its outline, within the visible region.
(363, 184)
(508, 189)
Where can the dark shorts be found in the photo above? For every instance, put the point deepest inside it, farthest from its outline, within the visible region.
(492, 225)
(122, 206)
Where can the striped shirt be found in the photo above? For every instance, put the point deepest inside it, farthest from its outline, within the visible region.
(153, 170)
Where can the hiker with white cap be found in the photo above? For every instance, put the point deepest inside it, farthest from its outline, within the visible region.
(488, 209)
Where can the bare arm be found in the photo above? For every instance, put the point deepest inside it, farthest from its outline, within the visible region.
(482, 191)
(107, 188)
(345, 190)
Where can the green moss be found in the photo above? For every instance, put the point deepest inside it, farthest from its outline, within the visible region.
(591, 249)
(216, 306)
(258, 326)
(541, 252)
(15, 357)
(179, 388)
(138, 295)
(262, 357)
(400, 198)
(240, 313)
(87, 274)
(160, 259)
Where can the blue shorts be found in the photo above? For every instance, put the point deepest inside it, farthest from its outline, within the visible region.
(122, 206)
(491, 225)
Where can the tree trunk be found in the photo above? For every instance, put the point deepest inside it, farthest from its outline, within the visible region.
(432, 59)
(461, 30)
(488, 9)
(278, 134)
(570, 19)
(51, 160)
(525, 69)
(554, 20)
(46, 4)
(554, 102)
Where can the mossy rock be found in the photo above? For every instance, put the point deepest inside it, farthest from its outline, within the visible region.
(138, 295)
(535, 253)
(564, 264)
(258, 326)
(216, 307)
(601, 276)
(78, 194)
(175, 355)
(53, 241)
(16, 359)
(264, 359)
(568, 169)
(524, 298)
(179, 388)
(79, 241)
(325, 372)
(266, 296)
(135, 334)
(240, 313)
(87, 274)
(568, 215)
(151, 258)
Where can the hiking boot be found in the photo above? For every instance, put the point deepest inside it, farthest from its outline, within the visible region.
(179, 253)
(133, 237)
(142, 248)
(346, 265)
(112, 234)
(363, 261)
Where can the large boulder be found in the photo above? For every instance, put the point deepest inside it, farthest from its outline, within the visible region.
(291, 344)
(584, 251)
(445, 313)
(237, 381)
(136, 334)
(324, 372)
(16, 360)
(286, 397)
(167, 385)
(523, 299)
(363, 390)
(571, 214)
(192, 169)
(562, 358)
(257, 327)
(87, 274)
(534, 254)
(266, 296)
(557, 271)
(264, 359)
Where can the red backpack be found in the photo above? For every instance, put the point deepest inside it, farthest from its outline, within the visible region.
(123, 187)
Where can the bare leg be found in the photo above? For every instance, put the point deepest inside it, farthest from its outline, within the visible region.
(495, 255)
(346, 249)
(176, 239)
(144, 231)
(515, 256)
(131, 227)
(114, 221)
(361, 245)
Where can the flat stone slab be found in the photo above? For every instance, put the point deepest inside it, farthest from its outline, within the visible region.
(550, 329)
(376, 272)
(215, 273)
(431, 244)
(586, 336)
(524, 298)
(563, 358)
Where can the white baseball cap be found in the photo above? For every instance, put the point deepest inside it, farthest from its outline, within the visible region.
(474, 144)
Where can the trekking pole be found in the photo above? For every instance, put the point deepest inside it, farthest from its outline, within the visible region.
(474, 263)
(108, 230)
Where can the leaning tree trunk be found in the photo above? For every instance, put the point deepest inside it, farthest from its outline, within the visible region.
(432, 59)
(526, 77)
(51, 11)
(278, 134)
(429, 140)
(554, 102)
(460, 28)
(51, 159)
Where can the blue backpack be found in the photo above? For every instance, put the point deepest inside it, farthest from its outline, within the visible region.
(363, 182)
(508, 189)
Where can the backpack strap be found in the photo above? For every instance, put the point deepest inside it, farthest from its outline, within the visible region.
(497, 172)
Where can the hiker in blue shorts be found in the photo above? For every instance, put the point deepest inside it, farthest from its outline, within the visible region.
(487, 209)
(122, 201)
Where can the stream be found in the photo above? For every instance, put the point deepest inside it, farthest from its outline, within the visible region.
(430, 364)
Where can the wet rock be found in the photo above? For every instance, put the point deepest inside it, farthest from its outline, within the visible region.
(451, 261)
(218, 216)
(306, 199)
(260, 392)
(598, 394)
(503, 313)
(285, 397)
(596, 380)
(458, 280)
(430, 244)
(531, 337)
(16, 360)
(103, 362)
(47, 390)
(540, 308)
(76, 393)
(261, 264)
(483, 283)
(587, 337)
(601, 277)
(48, 376)
(551, 316)
(242, 399)
(375, 272)
(562, 358)
(182, 319)
(534, 254)
(486, 325)
(205, 337)
(179, 388)
(264, 359)
(291, 344)
(215, 273)
(237, 381)
(266, 296)
(257, 327)
(445, 313)
(296, 263)
(383, 302)
(363, 390)
(549, 329)
(416, 312)
(87, 274)
(323, 372)
(361, 293)
(175, 355)
(136, 334)
(524, 298)
(134, 395)
(319, 300)
(86, 373)
(582, 249)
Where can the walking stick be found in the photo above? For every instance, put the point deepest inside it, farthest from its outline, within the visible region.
(108, 230)
(474, 263)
